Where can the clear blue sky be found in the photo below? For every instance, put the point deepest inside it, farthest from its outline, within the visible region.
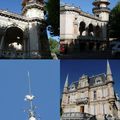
(77, 68)
(11, 5)
(86, 5)
(14, 86)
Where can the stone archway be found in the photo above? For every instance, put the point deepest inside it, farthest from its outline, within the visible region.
(90, 30)
(82, 28)
(13, 44)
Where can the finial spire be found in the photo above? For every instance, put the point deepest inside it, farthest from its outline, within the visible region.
(108, 68)
(29, 98)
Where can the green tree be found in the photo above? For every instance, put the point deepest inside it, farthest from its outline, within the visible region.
(114, 22)
(52, 7)
(54, 46)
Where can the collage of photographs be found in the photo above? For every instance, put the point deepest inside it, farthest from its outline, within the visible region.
(60, 59)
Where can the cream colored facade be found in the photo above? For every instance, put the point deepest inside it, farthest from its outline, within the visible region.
(24, 35)
(91, 95)
(78, 27)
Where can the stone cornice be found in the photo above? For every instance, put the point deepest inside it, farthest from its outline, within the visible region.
(8, 14)
(79, 11)
(19, 17)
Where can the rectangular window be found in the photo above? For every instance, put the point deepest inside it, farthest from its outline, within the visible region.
(95, 96)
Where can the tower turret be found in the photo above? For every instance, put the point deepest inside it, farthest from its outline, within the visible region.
(110, 84)
(101, 9)
(66, 85)
(65, 94)
(33, 8)
(109, 73)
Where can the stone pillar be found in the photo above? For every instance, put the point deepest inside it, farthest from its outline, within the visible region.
(1, 44)
(33, 39)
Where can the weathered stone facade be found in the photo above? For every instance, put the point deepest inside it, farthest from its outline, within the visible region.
(24, 36)
(80, 31)
(91, 95)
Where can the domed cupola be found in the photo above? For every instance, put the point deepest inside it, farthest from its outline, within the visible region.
(101, 9)
(33, 8)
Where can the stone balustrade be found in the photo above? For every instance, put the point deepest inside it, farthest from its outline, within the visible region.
(82, 100)
(77, 116)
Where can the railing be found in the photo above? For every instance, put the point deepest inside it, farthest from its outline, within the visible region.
(77, 116)
(101, 8)
(12, 54)
(82, 100)
(88, 38)
(101, 0)
(33, 3)
(35, 54)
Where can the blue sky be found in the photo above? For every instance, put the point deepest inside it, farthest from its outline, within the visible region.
(14, 86)
(11, 5)
(77, 68)
(86, 5)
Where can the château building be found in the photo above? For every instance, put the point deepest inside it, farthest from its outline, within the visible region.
(24, 35)
(81, 31)
(91, 97)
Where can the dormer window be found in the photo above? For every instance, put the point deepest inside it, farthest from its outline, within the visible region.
(98, 80)
(72, 87)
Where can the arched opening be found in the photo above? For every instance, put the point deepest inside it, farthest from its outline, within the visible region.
(82, 28)
(97, 31)
(13, 41)
(90, 30)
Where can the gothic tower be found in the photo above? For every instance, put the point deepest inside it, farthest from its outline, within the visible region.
(111, 90)
(101, 9)
(65, 96)
(66, 85)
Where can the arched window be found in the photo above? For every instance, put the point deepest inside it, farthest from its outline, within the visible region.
(90, 30)
(94, 95)
(82, 28)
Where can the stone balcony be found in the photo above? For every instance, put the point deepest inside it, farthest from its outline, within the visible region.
(82, 100)
(12, 54)
(106, 9)
(77, 116)
(90, 38)
(96, 2)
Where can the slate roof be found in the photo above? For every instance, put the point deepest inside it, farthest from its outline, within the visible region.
(91, 80)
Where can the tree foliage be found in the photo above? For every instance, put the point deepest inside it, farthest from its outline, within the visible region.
(52, 7)
(54, 46)
(114, 22)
